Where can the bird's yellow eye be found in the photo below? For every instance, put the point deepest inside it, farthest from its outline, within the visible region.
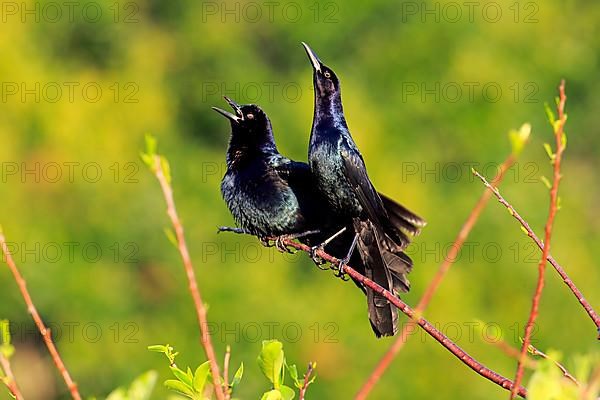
(250, 116)
(327, 74)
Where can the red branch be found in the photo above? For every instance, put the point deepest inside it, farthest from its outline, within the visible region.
(560, 146)
(559, 269)
(307, 381)
(10, 381)
(189, 269)
(452, 256)
(226, 373)
(38, 320)
(424, 324)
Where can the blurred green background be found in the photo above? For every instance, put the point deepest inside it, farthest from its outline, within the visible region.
(430, 89)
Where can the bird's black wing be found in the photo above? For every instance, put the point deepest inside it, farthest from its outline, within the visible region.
(293, 172)
(402, 217)
(356, 173)
(312, 210)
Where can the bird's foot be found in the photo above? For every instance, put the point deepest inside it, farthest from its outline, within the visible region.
(319, 262)
(280, 243)
(265, 241)
(340, 269)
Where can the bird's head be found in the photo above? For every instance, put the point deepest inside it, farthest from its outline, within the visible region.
(249, 123)
(325, 81)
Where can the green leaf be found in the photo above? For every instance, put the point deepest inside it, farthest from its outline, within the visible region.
(167, 350)
(549, 151)
(293, 371)
(158, 348)
(179, 387)
(182, 376)
(148, 160)
(171, 236)
(141, 388)
(164, 164)
(584, 365)
(6, 348)
(200, 377)
(563, 140)
(546, 182)
(238, 376)
(151, 144)
(5, 332)
(148, 156)
(549, 114)
(272, 395)
(548, 383)
(117, 394)
(271, 360)
(519, 138)
(287, 392)
(556, 126)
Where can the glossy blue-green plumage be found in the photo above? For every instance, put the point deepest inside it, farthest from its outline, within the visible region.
(382, 226)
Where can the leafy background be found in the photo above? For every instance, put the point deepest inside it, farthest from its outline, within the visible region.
(177, 59)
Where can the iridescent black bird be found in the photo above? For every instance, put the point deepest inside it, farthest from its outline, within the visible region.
(270, 195)
(382, 227)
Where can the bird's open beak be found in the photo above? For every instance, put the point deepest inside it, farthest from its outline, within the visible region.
(227, 114)
(314, 60)
(236, 107)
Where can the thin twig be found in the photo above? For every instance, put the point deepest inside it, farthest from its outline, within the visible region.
(424, 324)
(451, 257)
(553, 208)
(514, 352)
(307, 381)
(226, 372)
(9, 380)
(564, 371)
(45, 332)
(189, 269)
(559, 269)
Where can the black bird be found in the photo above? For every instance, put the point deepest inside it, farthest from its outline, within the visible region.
(382, 227)
(270, 195)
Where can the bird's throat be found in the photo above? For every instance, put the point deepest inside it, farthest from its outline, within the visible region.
(329, 111)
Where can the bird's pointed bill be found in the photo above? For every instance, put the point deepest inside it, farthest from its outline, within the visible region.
(236, 107)
(227, 114)
(314, 60)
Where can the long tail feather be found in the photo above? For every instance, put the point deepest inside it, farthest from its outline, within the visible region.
(382, 315)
